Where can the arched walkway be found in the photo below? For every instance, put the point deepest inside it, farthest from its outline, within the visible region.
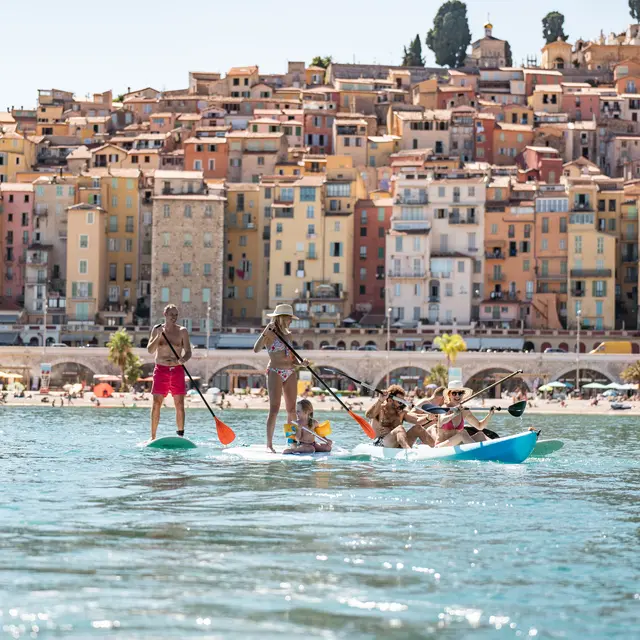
(238, 376)
(341, 344)
(334, 378)
(354, 345)
(406, 377)
(70, 373)
(564, 346)
(587, 376)
(487, 377)
(528, 346)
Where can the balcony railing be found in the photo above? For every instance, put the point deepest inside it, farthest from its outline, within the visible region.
(497, 277)
(434, 298)
(411, 225)
(494, 255)
(578, 293)
(409, 273)
(559, 277)
(41, 209)
(583, 206)
(467, 220)
(591, 273)
(400, 199)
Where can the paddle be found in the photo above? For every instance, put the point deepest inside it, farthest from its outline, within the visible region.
(429, 408)
(366, 427)
(225, 433)
(495, 384)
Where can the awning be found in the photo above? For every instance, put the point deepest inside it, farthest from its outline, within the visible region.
(236, 341)
(475, 344)
(9, 338)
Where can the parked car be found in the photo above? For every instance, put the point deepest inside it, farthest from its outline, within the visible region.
(59, 344)
(328, 347)
(368, 347)
(554, 350)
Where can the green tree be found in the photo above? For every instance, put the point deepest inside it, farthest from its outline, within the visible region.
(508, 54)
(632, 373)
(319, 61)
(438, 375)
(133, 369)
(450, 35)
(413, 55)
(120, 347)
(553, 26)
(634, 9)
(451, 346)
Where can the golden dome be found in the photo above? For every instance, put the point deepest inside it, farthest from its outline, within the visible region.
(488, 25)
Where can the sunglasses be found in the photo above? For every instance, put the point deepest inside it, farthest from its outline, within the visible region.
(457, 393)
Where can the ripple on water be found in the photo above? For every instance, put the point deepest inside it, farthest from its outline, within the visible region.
(98, 536)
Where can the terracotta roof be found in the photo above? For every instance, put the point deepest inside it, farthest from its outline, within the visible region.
(16, 186)
(242, 71)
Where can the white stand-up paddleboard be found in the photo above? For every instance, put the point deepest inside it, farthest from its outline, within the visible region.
(546, 447)
(171, 442)
(259, 453)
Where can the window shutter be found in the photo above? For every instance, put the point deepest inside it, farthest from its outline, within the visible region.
(74, 289)
(604, 288)
(594, 289)
(90, 289)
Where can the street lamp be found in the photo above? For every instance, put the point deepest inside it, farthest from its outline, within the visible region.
(208, 336)
(389, 310)
(578, 314)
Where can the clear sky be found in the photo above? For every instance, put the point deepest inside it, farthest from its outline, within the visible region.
(86, 47)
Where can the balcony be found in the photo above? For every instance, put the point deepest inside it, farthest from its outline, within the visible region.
(434, 299)
(494, 255)
(496, 277)
(591, 273)
(583, 206)
(8, 276)
(411, 225)
(411, 200)
(631, 279)
(409, 273)
(37, 258)
(36, 279)
(462, 220)
(553, 277)
(578, 293)
(41, 209)
(312, 256)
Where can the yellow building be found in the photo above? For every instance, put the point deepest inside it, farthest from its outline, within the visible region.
(243, 252)
(591, 259)
(17, 154)
(546, 98)
(86, 262)
(556, 55)
(380, 148)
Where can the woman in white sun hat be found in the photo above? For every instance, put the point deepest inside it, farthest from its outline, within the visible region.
(450, 429)
(281, 375)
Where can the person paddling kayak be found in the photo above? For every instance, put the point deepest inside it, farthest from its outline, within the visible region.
(168, 374)
(387, 415)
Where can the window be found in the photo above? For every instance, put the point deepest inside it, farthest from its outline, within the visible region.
(381, 214)
(336, 226)
(599, 288)
(129, 202)
(287, 268)
(167, 210)
(114, 201)
(242, 241)
(186, 269)
(113, 271)
(207, 239)
(526, 265)
(335, 249)
(278, 291)
(563, 225)
(363, 253)
(342, 189)
(545, 225)
(577, 247)
(165, 268)
(544, 244)
(249, 293)
(278, 245)
(208, 211)
(336, 267)
(363, 232)
(129, 224)
(448, 290)
(166, 237)
(460, 266)
(494, 229)
(600, 245)
(399, 243)
(187, 211)
(128, 272)
(186, 294)
(187, 240)
(278, 227)
(286, 194)
(164, 294)
(380, 253)
(113, 224)
(82, 268)
(207, 268)
(307, 194)
(84, 242)
(310, 211)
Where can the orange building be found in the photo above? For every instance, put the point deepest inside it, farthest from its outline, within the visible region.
(509, 140)
(209, 155)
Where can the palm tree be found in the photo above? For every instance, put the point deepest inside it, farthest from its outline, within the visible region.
(451, 346)
(632, 373)
(120, 352)
(133, 370)
(438, 375)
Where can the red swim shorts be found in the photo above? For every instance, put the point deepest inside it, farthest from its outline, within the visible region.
(168, 380)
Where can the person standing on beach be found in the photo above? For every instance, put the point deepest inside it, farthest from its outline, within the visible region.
(168, 374)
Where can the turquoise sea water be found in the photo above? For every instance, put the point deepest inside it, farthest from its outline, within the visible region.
(99, 538)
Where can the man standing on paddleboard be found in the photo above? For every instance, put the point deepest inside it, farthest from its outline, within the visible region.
(168, 374)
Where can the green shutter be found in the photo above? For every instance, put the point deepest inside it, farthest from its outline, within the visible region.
(593, 289)
(604, 288)
(74, 289)
(90, 289)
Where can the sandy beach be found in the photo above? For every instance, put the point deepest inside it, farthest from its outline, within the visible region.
(248, 402)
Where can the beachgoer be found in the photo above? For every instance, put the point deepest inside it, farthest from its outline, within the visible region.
(168, 374)
(387, 415)
(281, 375)
(306, 431)
(450, 429)
(437, 398)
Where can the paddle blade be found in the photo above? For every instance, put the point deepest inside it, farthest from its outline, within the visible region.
(517, 409)
(366, 427)
(433, 408)
(225, 433)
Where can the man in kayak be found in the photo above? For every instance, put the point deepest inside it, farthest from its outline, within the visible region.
(387, 415)
(168, 374)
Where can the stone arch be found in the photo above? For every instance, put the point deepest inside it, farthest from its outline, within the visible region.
(371, 343)
(635, 347)
(335, 378)
(587, 374)
(324, 343)
(233, 374)
(307, 345)
(545, 345)
(596, 344)
(34, 342)
(341, 344)
(486, 377)
(583, 347)
(559, 63)
(529, 346)
(564, 345)
(144, 342)
(70, 373)
(354, 345)
(406, 377)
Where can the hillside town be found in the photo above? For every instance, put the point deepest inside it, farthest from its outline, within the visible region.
(396, 198)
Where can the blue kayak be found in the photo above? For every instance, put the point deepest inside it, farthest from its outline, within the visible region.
(511, 449)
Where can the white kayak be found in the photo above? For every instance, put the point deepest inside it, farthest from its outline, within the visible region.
(512, 449)
(259, 453)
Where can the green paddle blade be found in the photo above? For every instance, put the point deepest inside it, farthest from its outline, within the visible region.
(517, 409)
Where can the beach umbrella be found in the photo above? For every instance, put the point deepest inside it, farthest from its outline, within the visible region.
(103, 390)
(556, 384)
(594, 385)
(13, 376)
(67, 387)
(610, 392)
(106, 377)
(545, 387)
(630, 387)
(615, 385)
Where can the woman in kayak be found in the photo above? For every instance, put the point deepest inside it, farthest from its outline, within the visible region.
(281, 375)
(306, 431)
(387, 415)
(450, 429)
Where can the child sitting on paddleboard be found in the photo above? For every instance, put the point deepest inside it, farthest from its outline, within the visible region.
(305, 434)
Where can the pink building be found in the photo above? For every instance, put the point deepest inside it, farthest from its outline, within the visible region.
(318, 131)
(163, 122)
(17, 207)
(583, 105)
